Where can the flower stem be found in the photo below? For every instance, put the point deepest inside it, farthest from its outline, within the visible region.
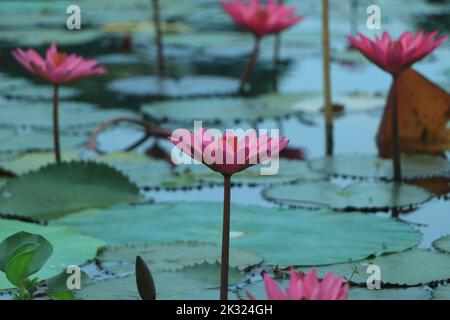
(56, 123)
(158, 38)
(327, 78)
(395, 134)
(225, 238)
(250, 65)
(276, 58)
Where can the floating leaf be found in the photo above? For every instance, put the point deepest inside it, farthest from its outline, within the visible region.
(176, 255)
(408, 268)
(367, 196)
(289, 170)
(198, 282)
(223, 110)
(441, 293)
(258, 290)
(147, 172)
(187, 86)
(320, 237)
(367, 166)
(69, 247)
(43, 36)
(60, 189)
(424, 113)
(34, 161)
(73, 115)
(443, 244)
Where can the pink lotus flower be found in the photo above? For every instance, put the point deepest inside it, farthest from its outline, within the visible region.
(397, 56)
(58, 67)
(261, 19)
(306, 287)
(228, 154)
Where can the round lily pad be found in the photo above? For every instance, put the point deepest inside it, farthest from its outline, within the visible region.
(415, 293)
(368, 166)
(187, 86)
(199, 282)
(443, 244)
(288, 170)
(60, 189)
(319, 237)
(367, 196)
(73, 115)
(44, 36)
(146, 172)
(69, 247)
(14, 143)
(408, 268)
(225, 110)
(441, 293)
(176, 255)
(34, 160)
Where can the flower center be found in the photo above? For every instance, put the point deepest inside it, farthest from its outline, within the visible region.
(59, 58)
(262, 14)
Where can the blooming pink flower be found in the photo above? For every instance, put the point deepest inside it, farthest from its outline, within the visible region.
(397, 56)
(261, 19)
(58, 67)
(228, 154)
(306, 287)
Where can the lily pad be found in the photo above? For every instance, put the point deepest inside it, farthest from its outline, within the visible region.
(69, 247)
(408, 268)
(415, 293)
(176, 255)
(443, 244)
(441, 293)
(59, 189)
(367, 196)
(43, 36)
(367, 166)
(320, 237)
(199, 282)
(73, 115)
(226, 110)
(289, 170)
(33, 161)
(146, 172)
(187, 86)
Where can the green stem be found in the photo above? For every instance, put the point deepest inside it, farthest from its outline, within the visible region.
(158, 38)
(57, 146)
(248, 70)
(395, 134)
(225, 238)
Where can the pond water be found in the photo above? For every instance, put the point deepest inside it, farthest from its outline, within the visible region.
(204, 49)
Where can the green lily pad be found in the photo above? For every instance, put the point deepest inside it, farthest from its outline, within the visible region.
(73, 115)
(415, 293)
(146, 172)
(408, 268)
(187, 86)
(320, 237)
(176, 255)
(368, 166)
(34, 160)
(443, 244)
(14, 143)
(43, 36)
(289, 170)
(367, 196)
(441, 293)
(225, 110)
(60, 189)
(199, 282)
(69, 247)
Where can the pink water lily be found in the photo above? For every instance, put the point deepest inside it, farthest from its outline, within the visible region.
(58, 67)
(395, 56)
(306, 287)
(229, 154)
(261, 19)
